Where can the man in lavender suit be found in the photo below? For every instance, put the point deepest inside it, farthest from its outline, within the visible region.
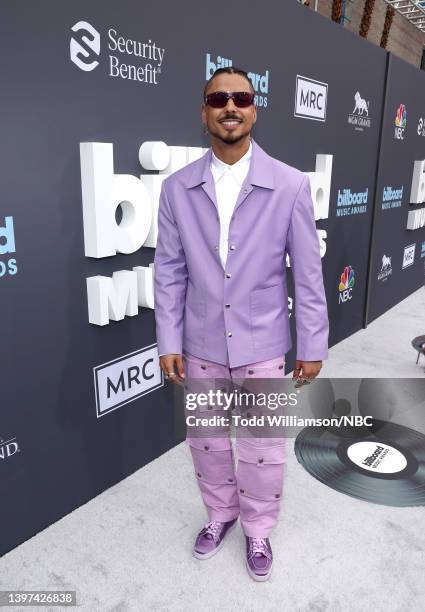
(225, 224)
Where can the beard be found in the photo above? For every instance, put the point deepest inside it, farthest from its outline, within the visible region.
(229, 137)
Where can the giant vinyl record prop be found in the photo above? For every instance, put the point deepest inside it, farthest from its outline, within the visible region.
(383, 464)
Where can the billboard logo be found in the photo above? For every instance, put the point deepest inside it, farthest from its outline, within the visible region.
(386, 269)
(400, 122)
(346, 284)
(416, 218)
(351, 202)
(310, 99)
(126, 378)
(84, 49)
(421, 127)
(408, 256)
(7, 246)
(423, 249)
(359, 117)
(391, 198)
(260, 82)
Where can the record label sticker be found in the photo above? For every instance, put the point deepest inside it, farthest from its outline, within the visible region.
(377, 457)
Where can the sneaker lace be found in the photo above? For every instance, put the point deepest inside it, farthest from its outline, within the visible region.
(258, 546)
(213, 528)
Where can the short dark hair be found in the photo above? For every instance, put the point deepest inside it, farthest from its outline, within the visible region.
(228, 70)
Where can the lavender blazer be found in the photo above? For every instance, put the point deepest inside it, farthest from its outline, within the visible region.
(241, 311)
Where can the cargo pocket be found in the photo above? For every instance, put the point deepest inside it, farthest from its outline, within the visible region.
(216, 478)
(260, 471)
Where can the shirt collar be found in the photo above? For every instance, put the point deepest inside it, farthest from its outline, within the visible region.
(238, 169)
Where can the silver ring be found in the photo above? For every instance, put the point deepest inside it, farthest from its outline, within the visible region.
(170, 374)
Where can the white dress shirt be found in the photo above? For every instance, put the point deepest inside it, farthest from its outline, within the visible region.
(228, 182)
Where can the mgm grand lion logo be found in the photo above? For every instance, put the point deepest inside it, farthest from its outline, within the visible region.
(386, 269)
(361, 105)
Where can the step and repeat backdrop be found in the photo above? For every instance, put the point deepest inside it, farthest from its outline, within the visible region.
(398, 246)
(101, 101)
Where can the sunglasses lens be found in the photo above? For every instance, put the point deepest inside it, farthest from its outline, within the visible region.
(217, 99)
(242, 99)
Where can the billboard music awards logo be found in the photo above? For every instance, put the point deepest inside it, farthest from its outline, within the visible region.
(310, 99)
(386, 269)
(8, 265)
(260, 82)
(391, 198)
(400, 122)
(359, 117)
(346, 284)
(131, 59)
(423, 249)
(351, 202)
(408, 256)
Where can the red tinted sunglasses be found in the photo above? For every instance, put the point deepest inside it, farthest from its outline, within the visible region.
(219, 99)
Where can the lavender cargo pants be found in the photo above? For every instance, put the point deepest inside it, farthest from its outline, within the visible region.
(254, 491)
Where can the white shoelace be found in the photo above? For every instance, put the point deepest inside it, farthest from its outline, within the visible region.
(259, 545)
(214, 528)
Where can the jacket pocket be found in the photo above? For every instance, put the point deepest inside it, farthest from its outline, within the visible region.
(194, 320)
(268, 308)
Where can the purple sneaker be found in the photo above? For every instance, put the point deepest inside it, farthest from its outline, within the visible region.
(211, 538)
(259, 558)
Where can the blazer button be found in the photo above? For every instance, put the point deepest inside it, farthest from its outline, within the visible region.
(229, 334)
(232, 247)
(228, 275)
(227, 305)
(216, 248)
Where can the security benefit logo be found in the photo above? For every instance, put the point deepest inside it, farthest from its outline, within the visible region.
(124, 57)
(84, 47)
(420, 130)
(400, 122)
(260, 81)
(8, 265)
(126, 378)
(386, 269)
(359, 117)
(346, 284)
(310, 99)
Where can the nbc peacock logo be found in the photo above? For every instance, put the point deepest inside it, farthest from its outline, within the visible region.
(346, 284)
(400, 122)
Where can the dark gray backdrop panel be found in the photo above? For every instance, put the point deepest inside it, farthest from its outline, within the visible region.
(67, 455)
(406, 85)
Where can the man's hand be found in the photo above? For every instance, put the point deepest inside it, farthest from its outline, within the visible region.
(172, 366)
(306, 371)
